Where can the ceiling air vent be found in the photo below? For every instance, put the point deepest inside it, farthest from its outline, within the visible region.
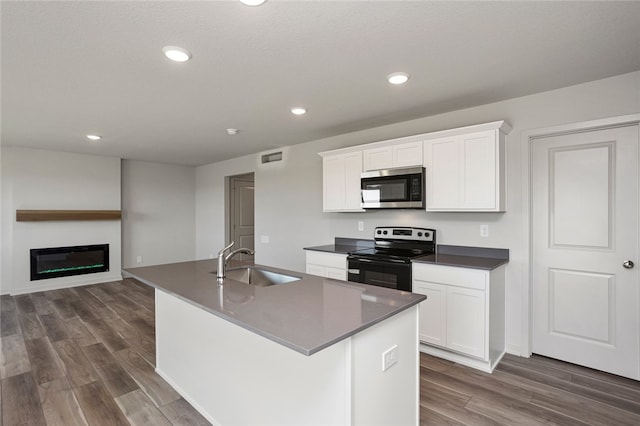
(272, 157)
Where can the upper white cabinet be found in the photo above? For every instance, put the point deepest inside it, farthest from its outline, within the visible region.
(341, 182)
(465, 169)
(387, 157)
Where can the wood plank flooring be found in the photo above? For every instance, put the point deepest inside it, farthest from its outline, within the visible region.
(86, 356)
(525, 391)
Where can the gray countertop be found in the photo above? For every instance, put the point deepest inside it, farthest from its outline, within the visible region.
(446, 255)
(334, 248)
(306, 315)
(461, 261)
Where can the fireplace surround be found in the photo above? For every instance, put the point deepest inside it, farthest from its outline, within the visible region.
(54, 262)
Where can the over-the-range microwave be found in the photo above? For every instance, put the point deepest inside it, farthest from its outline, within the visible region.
(401, 188)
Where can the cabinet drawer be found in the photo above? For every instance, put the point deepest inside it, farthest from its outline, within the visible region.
(327, 259)
(461, 277)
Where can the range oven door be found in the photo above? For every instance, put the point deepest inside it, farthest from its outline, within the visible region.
(381, 273)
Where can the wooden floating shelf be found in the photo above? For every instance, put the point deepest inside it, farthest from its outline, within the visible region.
(58, 215)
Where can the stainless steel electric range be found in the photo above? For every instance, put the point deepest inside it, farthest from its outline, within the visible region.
(388, 264)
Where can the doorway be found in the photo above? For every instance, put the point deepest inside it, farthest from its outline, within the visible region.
(240, 212)
(584, 243)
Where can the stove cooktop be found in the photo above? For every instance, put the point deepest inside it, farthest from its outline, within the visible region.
(400, 244)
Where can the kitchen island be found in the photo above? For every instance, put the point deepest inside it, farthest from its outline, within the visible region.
(309, 351)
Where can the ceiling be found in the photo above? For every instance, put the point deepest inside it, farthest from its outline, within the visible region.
(73, 68)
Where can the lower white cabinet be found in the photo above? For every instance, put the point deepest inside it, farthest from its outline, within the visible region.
(463, 317)
(328, 265)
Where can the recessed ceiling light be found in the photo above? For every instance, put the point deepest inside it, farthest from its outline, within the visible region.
(398, 78)
(252, 2)
(298, 110)
(176, 53)
(232, 131)
(94, 137)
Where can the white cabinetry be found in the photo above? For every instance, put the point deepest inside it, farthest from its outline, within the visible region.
(387, 157)
(464, 166)
(463, 317)
(328, 265)
(465, 169)
(341, 182)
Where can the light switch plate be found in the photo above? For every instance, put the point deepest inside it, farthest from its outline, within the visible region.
(360, 225)
(389, 357)
(264, 239)
(484, 230)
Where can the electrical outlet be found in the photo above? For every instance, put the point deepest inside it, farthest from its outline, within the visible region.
(138, 259)
(211, 255)
(264, 239)
(360, 225)
(484, 230)
(389, 357)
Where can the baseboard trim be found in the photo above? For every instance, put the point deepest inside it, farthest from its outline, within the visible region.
(478, 364)
(67, 284)
(187, 398)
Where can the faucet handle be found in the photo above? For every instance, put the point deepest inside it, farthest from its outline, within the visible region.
(221, 252)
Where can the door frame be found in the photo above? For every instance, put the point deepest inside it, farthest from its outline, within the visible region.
(230, 206)
(528, 139)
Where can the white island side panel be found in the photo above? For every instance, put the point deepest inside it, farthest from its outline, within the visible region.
(235, 377)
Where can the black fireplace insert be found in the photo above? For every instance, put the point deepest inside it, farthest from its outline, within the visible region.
(57, 262)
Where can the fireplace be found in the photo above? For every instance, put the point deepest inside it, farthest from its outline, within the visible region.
(65, 261)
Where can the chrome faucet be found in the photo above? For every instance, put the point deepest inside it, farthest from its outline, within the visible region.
(223, 259)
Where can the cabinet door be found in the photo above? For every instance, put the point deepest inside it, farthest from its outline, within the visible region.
(352, 172)
(341, 182)
(407, 154)
(442, 163)
(478, 171)
(465, 172)
(466, 321)
(377, 158)
(317, 270)
(333, 183)
(433, 318)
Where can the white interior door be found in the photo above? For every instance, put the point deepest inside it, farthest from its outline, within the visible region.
(584, 229)
(242, 214)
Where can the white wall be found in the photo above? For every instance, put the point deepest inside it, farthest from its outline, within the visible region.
(289, 194)
(47, 180)
(211, 198)
(158, 206)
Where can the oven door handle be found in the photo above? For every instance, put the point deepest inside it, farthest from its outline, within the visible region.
(353, 271)
(378, 261)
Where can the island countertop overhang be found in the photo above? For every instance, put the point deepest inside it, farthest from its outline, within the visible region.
(307, 315)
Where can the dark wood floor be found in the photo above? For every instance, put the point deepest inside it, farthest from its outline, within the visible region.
(86, 356)
(525, 391)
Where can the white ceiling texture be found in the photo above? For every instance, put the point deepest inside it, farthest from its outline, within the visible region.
(69, 68)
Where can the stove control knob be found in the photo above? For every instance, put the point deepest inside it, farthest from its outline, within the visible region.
(385, 232)
(426, 235)
(378, 232)
(419, 234)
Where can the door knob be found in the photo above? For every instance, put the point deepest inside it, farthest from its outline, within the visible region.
(628, 264)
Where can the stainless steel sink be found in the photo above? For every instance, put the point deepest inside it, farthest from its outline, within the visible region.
(258, 277)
